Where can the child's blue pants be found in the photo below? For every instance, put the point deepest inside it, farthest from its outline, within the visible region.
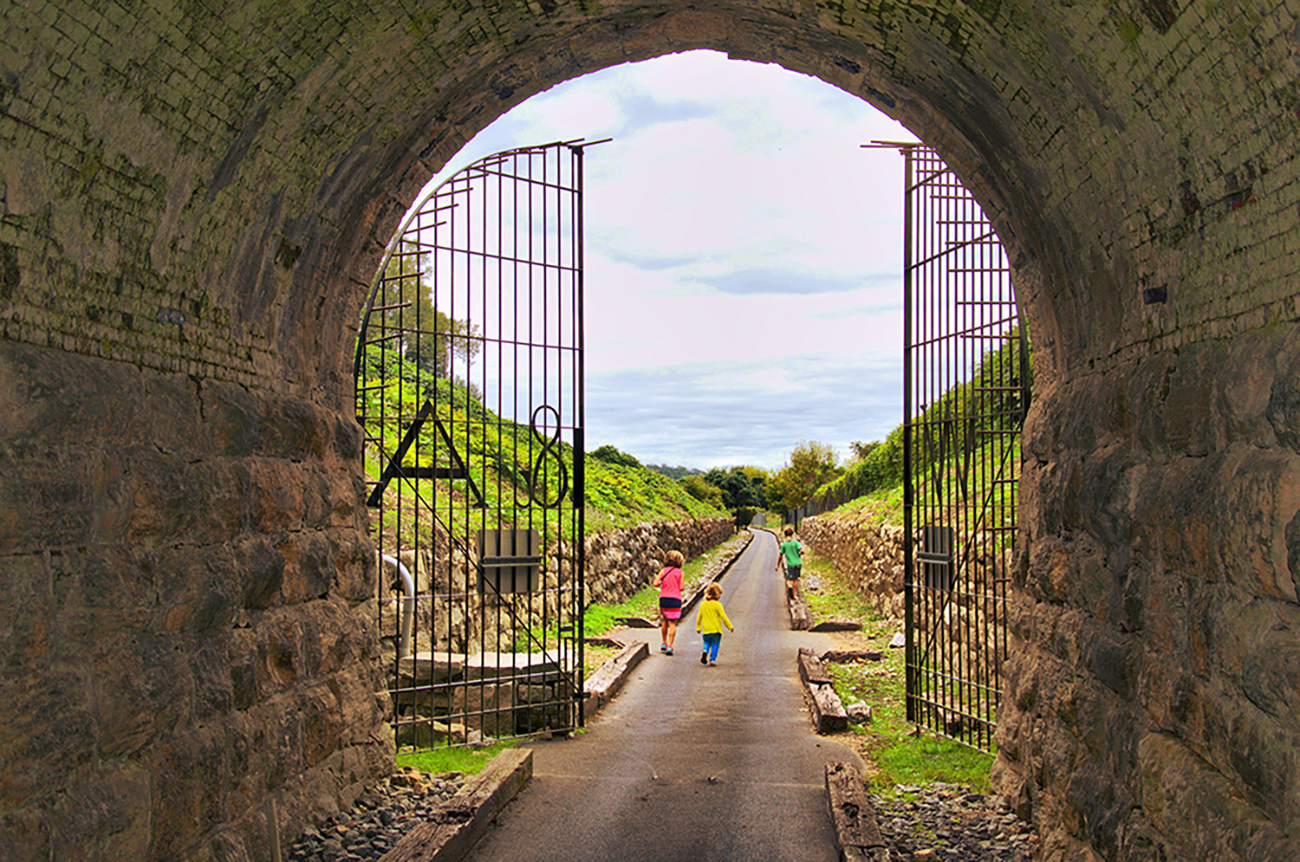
(711, 644)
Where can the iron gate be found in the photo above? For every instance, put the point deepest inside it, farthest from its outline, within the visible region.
(966, 369)
(469, 375)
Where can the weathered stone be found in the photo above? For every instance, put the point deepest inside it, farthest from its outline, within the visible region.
(426, 667)
(184, 253)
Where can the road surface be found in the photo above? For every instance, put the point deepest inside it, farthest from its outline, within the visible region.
(689, 762)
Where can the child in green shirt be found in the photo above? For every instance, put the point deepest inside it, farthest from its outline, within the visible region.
(791, 553)
(709, 621)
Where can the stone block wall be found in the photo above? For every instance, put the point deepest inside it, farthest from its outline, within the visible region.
(194, 200)
(1151, 692)
(621, 562)
(186, 573)
(869, 554)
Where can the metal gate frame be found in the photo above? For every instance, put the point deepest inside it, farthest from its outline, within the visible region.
(469, 378)
(967, 382)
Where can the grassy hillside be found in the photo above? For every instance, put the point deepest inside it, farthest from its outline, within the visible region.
(875, 482)
(500, 457)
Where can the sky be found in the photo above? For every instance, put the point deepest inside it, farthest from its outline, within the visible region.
(743, 257)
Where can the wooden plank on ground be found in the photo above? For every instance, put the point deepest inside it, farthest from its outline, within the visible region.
(844, 656)
(837, 626)
(856, 830)
(828, 712)
(636, 623)
(457, 827)
(800, 621)
(811, 669)
(609, 677)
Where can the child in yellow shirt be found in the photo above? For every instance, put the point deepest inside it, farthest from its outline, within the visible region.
(710, 620)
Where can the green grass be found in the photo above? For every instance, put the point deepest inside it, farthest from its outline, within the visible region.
(897, 752)
(885, 505)
(834, 598)
(455, 759)
(599, 619)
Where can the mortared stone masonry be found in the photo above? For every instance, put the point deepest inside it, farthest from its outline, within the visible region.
(194, 198)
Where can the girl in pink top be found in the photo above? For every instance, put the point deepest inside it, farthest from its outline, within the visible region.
(669, 582)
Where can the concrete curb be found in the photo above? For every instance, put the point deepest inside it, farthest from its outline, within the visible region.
(609, 678)
(458, 826)
(856, 832)
(693, 600)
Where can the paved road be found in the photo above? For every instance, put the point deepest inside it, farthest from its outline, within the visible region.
(689, 762)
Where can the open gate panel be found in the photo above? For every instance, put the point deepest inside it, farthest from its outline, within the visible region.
(967, 384)
(469, 382)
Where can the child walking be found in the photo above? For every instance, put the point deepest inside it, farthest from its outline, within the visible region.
(669, 582)
(710, 621)
(791, 553)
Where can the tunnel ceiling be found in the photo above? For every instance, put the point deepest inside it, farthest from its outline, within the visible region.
(232, 177)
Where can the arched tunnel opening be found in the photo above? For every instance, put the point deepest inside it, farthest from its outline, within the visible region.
(195, 203)
(734, 247)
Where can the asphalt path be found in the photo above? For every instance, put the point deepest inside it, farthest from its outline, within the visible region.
(689, 762)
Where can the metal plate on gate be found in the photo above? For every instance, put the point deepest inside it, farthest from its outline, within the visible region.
(508, 561)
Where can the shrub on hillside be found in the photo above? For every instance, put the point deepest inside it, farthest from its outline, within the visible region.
(704, 492)
(610, 455)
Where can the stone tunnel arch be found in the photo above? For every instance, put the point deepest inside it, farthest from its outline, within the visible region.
(195, 202)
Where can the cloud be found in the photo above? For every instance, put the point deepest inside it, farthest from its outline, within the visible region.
(774, 281)
(706, 415)
(641, 110)
(743, 262)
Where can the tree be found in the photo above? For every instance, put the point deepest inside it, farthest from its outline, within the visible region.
(737, 486)
(703, 491)
(862, 450)
(611, 455)
(811, 465)
(425, 335)
(678, 472)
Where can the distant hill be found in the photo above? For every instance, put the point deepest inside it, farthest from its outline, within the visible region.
(674, 472)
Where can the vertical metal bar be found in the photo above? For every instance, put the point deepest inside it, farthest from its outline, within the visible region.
(579, 436)
(909, 531)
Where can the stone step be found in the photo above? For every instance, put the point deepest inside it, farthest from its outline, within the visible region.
(423, 668)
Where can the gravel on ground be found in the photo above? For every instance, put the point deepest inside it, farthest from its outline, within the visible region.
(381, 816)
(947, 823)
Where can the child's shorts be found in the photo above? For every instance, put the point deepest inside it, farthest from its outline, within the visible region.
(792, 572)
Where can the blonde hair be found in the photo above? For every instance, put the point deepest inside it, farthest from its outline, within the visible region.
(674, 558)
(713, 591)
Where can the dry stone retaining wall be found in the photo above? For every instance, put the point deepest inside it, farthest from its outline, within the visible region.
(869, 554)
(619, 564)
